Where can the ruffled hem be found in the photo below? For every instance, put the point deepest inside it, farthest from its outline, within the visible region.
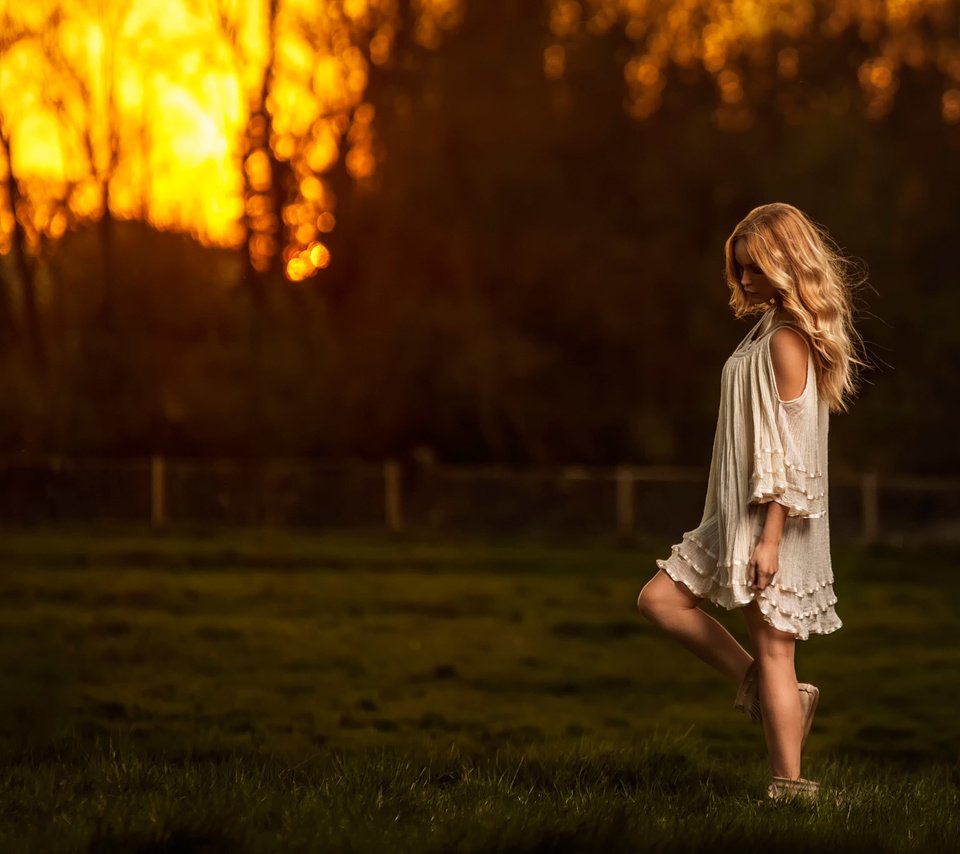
(776, 478)
(798, 612)
(801, 592)
(821, 621)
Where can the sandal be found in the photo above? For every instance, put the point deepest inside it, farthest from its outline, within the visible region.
(748, 694)
(788, 789)
(809, 698)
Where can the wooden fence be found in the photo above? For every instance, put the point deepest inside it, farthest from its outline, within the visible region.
(622, 501)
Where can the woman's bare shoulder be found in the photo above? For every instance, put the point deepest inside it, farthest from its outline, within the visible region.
(788, 353)
(788, 340)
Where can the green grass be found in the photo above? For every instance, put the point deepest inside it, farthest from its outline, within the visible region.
(265, 691)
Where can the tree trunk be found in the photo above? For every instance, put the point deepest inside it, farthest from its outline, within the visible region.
(35, 349)
(105, 233)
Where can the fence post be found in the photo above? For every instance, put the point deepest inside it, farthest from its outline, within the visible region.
(871, 507)
(158, 492)
(391, 483)
(625, 492)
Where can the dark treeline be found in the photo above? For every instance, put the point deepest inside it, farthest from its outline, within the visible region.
(534, 276)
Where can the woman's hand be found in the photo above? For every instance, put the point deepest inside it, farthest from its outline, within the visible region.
(763, 564)
(765, 560)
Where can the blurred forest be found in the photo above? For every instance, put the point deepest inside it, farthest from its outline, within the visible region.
(502, 240)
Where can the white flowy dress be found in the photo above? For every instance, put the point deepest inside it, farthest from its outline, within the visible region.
(765, 449)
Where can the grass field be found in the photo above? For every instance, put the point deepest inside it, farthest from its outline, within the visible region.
(262, 691)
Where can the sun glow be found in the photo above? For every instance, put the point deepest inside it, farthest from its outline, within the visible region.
(156, 106)
(223, 118)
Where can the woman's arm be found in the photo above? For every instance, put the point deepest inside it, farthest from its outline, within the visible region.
(788, 352)
(773, 524)
(765, 560)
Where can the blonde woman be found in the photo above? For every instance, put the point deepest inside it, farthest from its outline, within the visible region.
(763, 544)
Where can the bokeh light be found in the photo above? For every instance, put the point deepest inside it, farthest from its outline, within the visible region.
(184, 113)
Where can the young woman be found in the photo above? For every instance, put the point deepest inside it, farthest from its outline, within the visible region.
(763, 544)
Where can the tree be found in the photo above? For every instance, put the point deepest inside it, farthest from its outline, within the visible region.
(736, 42)
(81, 87)
(21, 231)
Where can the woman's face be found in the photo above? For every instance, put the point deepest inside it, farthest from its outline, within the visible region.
(755, 284)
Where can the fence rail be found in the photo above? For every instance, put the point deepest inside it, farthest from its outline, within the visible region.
(400, 496)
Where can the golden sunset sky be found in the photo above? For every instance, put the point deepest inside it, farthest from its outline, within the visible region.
(153, 97)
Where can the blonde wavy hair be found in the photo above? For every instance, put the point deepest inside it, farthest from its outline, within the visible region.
(814, 283)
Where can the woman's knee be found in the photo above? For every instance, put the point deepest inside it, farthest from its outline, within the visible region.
(770, 643)
(646, 602)
(661, 594)
(775, 648)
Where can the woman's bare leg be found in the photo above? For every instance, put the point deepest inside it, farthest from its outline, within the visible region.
(674, 608)
(779, 697)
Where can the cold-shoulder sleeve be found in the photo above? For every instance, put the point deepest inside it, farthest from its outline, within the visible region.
(787, 466)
